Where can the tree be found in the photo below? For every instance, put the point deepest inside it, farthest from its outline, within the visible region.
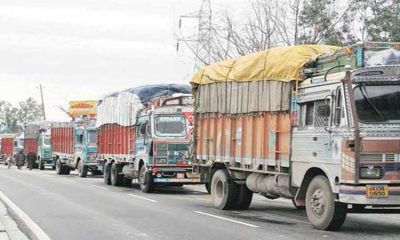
(384, 22)
(29, 111)
(13, 119)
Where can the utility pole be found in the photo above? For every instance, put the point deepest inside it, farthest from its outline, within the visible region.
(41, 95)
(199, 43)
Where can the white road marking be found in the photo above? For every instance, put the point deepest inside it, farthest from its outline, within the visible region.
(104, 188)
(36, 230)
(147, 199)
(227, 219)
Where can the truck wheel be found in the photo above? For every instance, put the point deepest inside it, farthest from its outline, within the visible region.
(106, 174)
(224, 192)
(41, 165)
(145, 181)
(322, 210)
(59, 167)
(244, 197)
(208, 187)
(116, 178)
(82, 169)
(66, 170)
(127, 182)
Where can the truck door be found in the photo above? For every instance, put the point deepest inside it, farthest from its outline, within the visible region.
(312, 138)
(79, 146)
(143, 140)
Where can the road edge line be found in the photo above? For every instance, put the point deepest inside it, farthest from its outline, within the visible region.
(33, 227)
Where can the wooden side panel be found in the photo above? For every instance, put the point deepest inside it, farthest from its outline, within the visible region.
(62, 139)
(30, 145)
(257, 141)
(116, 139)
(7, 146)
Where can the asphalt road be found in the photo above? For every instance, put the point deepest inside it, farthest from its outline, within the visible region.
(69, 207)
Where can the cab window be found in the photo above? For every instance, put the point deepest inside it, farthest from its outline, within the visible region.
(315, 113)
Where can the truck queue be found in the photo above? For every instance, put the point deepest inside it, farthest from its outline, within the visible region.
(313, 123)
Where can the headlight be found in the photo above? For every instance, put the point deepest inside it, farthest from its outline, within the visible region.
(371, 172)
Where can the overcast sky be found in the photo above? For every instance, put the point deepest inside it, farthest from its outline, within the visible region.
(83, 49)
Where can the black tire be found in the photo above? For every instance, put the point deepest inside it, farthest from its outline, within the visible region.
(59, 167)
(322, 210)
(297, 206)
(145, 180)
(208, 187)
(245, 196)
(106, 174)
(82, 169)
(115, 176)
(224, 192)
(127, 182)
(41, 165)
(67, 170)
(95, 172)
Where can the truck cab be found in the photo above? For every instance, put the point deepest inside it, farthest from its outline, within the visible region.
(162, 143)
(348, 132)
(44, 152)
(85, 150)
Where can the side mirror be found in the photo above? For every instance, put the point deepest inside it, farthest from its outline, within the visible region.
(324, 110)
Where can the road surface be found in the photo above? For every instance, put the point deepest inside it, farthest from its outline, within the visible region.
(69, 207)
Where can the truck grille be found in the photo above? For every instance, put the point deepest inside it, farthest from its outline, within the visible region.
(384, 157)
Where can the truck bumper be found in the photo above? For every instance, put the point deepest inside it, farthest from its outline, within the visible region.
(94, 166)
(174, 175)
(357, 195)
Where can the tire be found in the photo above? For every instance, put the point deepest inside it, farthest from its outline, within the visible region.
(208, 187)
(115, 176)
(224, 192)
(322, 210)
(127, 182)
(82, 169)
(245, 196)
(66, 170)
(145, 181)
(59, 167)
(106, 174)
(41, 165)
(297, 206)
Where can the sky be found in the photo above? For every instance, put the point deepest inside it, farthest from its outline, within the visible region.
(85, 49)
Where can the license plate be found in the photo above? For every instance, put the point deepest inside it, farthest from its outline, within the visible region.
(180, 175)
(373, 191)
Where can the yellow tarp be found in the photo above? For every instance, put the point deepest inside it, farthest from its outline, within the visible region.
(280, 64)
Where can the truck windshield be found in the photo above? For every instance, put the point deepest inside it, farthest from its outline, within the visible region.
(170, 125)
(378, 103)
(92, 137)
(46, 141)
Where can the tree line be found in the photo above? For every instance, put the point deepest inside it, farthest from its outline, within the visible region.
(272, 23)
(14, 118)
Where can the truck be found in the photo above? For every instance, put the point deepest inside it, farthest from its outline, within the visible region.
(37, 144)
(144, 136)
(7, 146)
(316, 124)
(74, 147)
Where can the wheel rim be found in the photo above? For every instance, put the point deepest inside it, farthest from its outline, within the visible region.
(318, 202)
(112, 174)
(58, 166)
(141, 176)
(219, 189)
(80, 167)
